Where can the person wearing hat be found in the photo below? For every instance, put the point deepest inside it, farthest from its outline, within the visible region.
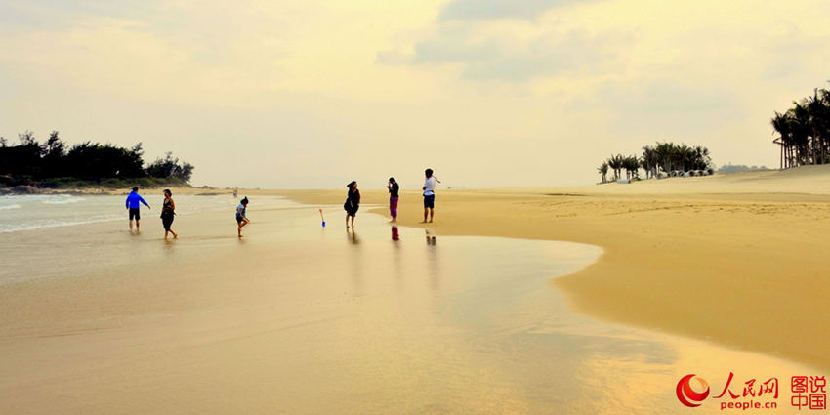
(352, 203)
(241, 216)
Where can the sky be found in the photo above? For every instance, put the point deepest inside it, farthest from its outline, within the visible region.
(314, 94)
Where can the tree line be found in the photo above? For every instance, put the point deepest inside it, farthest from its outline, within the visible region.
(667, 159)
(53, 163)
(804, 131)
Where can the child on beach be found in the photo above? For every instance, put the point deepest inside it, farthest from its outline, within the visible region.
(352, 203)
(393, 199)
(241, 217)
(429, 195)
(133, 203)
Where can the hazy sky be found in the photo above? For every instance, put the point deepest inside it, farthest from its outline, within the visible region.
(278, 93)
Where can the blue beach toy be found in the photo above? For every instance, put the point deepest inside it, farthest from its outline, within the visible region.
(321, 217)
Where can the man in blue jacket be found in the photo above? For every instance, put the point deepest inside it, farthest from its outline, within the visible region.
(133, 205)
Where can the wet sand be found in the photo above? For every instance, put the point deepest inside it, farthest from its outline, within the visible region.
(295, 318)
(292, 318)
(738, 260)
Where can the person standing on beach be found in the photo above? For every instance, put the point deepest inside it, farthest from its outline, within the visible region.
(241, 216)
(429, 195)
(168, 211)
(352, 203)
(133, 203)
(393, 199)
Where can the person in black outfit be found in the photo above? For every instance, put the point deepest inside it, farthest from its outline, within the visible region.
(352, 203)
(393, 199)
(168, 211)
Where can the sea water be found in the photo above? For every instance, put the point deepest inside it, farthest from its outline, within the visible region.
(37, 211)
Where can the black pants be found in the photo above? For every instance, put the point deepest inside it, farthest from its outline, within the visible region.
(167, 221)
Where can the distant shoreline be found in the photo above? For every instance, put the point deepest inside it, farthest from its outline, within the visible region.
(93, 189)
(12, 184)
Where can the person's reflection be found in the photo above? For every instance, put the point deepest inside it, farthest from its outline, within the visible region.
(432, 259)
(356, 259)
(396, 258)
(431, 239)
(168, 245)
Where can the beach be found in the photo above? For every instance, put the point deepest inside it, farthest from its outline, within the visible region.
(571, 300)
(735, 259)
(631, 206)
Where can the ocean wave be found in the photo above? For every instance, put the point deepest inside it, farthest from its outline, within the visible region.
(46, 224)
(57, 211)
(63, 200)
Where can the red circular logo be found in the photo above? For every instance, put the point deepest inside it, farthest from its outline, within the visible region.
(688, 396)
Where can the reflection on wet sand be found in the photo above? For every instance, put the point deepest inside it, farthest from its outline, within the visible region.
(432, 261)
(357, 267)
(169, 245)
(352, 236)
(302, 322)
(431, 239)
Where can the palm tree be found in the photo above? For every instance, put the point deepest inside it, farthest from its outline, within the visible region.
(666, 156)
(649, 161)
(782, 124)
(804, 131)
(613, 164)
(801, 133)
(603, 169)
(632, 167)
(616, 163)
(702, 159)
(819, 121)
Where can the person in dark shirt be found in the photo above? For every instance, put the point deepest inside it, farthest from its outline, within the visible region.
(352, 203)
(168, 213)
(393, 199)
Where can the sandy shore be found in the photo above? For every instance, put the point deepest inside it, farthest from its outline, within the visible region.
(737, 260)
(297, 318)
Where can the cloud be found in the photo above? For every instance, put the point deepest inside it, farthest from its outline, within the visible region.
(500, 9)
(322, 88)
(664, 107)
(507, 56)
(61, 14)
(510, 41)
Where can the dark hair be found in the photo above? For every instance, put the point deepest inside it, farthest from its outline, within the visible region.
(391, 180)
(351, 184)
(244, 200)
(135, 188)
(168, 192)
(428, 172)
